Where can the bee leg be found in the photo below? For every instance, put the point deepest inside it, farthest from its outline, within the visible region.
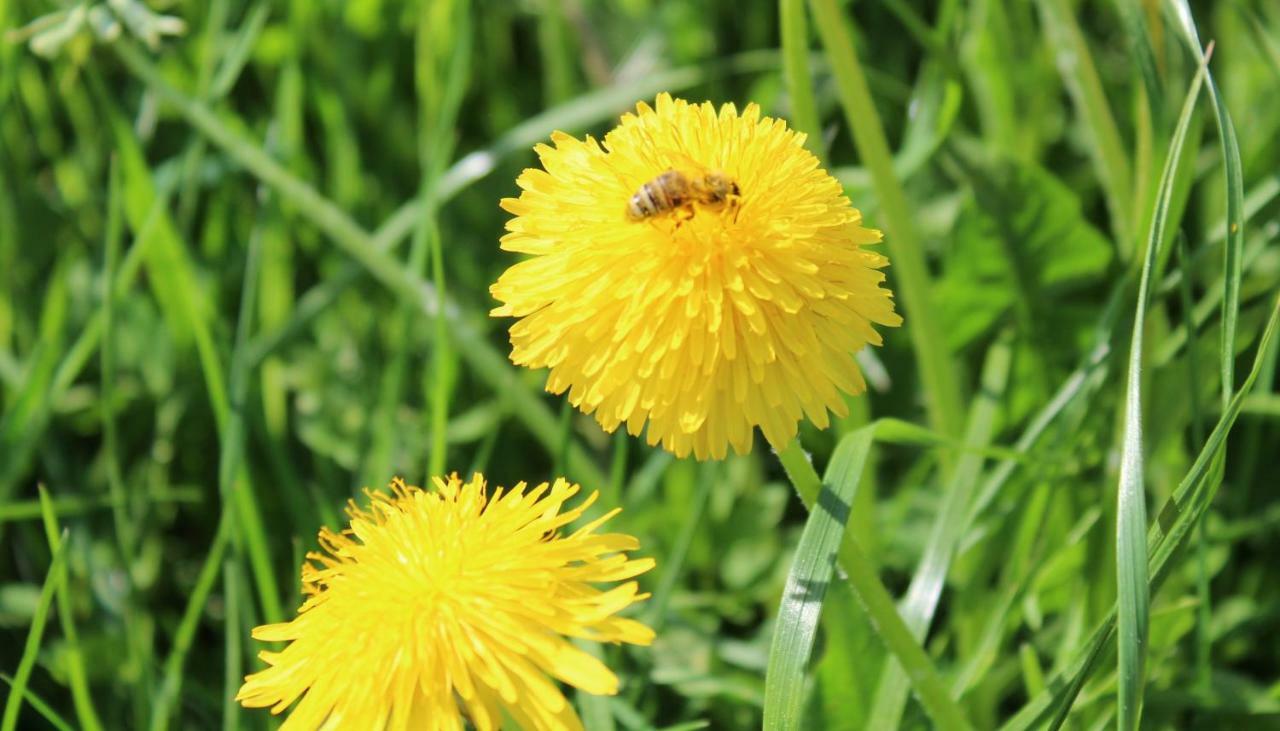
(684, 213)
(735, 200)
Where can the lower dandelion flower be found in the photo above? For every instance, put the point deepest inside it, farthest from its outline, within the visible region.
(697, 271)
(440, 607)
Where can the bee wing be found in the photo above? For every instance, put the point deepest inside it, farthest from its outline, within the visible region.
(682, 161)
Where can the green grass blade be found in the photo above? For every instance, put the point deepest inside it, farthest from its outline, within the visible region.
(184, 635)
(436, 148)
(942, 389)
(86, 714)
(233, 639)
(30, 651)
(1080, 74)
(875, 598)
(64, 507)
(1232, 270)
(1135, 29)
(794, 29)
(921, 600)
(107, 362)
(42, 707)
(1131, 511)
(811, 571)
(233, 61)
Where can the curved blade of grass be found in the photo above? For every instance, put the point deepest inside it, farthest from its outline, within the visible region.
(942, 390)
(807, 581)
(878, 603)
(1232, 254)
(1131, 510)
(921, 600)
(1167, 534)
(18, 687)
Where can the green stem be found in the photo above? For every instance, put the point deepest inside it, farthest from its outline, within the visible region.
(795, 69)
(942, 390)
(879, 605)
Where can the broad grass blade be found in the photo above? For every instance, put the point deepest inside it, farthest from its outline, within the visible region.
(1131, 511)
(807, 582)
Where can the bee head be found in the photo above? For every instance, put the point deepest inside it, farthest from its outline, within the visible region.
(719, 188)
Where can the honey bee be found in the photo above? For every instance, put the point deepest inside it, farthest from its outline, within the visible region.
(674, 191)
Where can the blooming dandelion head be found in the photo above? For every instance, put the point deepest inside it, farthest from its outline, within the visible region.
(436, 608)
(700, 317)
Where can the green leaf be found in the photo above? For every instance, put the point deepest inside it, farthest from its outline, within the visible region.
(807, 581)
(1021, 242)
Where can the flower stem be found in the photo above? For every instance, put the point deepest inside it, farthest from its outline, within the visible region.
(877, 602)
(942, 390)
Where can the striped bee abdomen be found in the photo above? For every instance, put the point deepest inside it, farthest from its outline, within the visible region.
(666, 192)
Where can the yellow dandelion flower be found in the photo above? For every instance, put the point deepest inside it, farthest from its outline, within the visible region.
(437, 608)
(730, 295)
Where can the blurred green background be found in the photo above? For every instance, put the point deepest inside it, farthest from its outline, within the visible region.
(220, 245)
